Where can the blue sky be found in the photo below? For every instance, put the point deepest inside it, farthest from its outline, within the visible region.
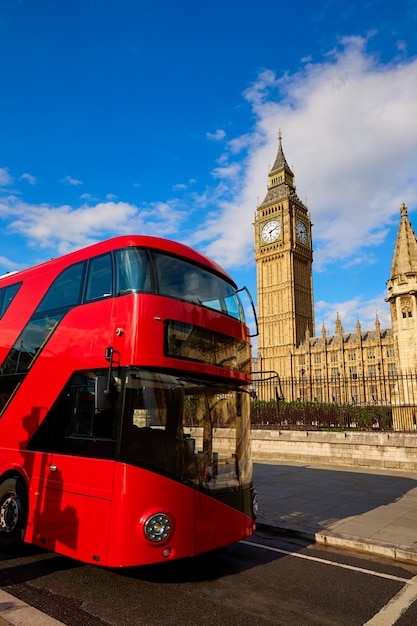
(122, 116)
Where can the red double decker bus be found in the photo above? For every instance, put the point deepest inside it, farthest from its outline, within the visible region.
(124, 405)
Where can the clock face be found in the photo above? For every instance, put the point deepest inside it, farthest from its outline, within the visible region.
(271, 231)
(301, 232)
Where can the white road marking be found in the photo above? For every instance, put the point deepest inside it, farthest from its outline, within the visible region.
(391, 612)
(327, 562)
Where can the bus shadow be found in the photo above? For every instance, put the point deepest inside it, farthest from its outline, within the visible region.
(210, 566)
(15, 569)
(41, 563)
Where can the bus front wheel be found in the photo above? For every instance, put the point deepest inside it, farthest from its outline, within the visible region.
(13, 512)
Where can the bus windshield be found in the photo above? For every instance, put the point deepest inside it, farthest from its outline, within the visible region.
(194, 430)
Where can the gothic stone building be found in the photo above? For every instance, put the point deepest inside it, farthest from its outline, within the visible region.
(366, 366)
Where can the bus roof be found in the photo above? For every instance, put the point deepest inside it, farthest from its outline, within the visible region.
(8, 274)
(122, 241)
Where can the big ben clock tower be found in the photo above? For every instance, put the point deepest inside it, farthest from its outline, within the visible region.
(283, 254)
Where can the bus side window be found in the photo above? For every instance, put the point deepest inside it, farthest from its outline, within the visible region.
(99, 278)
(65, 291)
(82, 403)
(6, 297)
(85, 420)
(8, 385)
(72, 426)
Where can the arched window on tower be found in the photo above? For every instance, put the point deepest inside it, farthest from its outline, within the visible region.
(406, 308)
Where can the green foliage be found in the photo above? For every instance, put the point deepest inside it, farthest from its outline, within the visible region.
(319, 415)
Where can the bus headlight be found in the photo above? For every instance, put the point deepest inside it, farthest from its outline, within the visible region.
(157, 527)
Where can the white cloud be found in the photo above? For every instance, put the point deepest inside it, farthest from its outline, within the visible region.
(5, 178)
(230, 171)
(184, 186)
(31, 179)
(9, 206)
(69, 180)
(10, 266)
(64, 228)
(219, 135)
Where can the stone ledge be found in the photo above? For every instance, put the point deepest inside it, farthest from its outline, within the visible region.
(371, 450)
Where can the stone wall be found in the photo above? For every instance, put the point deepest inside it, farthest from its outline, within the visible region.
(355, 449)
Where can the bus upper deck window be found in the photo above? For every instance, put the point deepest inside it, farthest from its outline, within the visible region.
(65, 291)
(100, 278)
(6, 296)
(132, 271)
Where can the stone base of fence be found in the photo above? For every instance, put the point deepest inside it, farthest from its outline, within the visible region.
(391, 451)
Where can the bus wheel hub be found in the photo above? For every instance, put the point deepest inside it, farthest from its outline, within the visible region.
(9, 514)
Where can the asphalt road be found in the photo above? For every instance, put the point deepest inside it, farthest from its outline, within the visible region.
(265, 580)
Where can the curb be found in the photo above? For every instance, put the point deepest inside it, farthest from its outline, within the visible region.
(335, 540)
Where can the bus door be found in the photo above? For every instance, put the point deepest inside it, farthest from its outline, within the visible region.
(74, 510)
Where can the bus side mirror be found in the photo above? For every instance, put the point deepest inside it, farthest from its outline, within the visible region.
(255, 317)
(102, 399)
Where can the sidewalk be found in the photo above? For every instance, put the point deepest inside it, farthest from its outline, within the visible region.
(373, 511)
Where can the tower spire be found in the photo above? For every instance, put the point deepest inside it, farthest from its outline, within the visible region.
(405, 253)
(280, 163)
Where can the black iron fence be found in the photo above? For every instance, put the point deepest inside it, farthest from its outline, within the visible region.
(368, 402)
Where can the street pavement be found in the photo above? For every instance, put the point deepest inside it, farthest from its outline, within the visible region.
(370, 510)
(373, 511)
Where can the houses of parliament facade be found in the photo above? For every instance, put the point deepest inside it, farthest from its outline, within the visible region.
(375, 366)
